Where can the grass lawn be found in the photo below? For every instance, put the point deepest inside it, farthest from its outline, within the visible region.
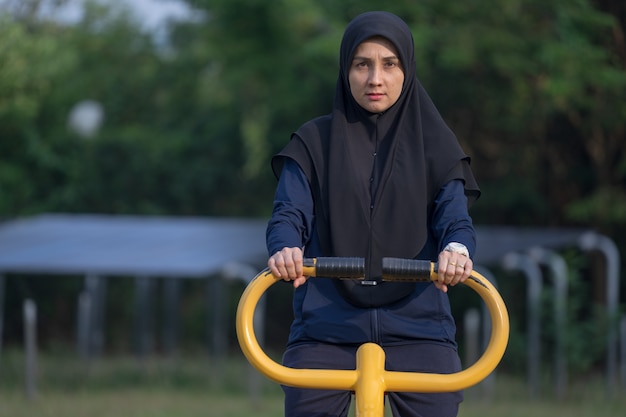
(585, 398)
(67, 387)
(135, 403)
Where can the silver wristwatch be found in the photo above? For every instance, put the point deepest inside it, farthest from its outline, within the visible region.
(457, 248)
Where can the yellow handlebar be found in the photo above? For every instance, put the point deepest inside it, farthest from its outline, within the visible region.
(369, 381)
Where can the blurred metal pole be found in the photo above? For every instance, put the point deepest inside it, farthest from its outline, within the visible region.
(95, 287)
(471, 326)
(532, 272)
(593, 241)
(30, 345)
(489, 382)
(216, 333)
(83, 325)
(171, 303)
(144, 316)
(622, 327)
(558, 273)
(245, 273)
(2, 287)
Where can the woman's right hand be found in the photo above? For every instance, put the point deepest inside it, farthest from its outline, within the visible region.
(287, 264)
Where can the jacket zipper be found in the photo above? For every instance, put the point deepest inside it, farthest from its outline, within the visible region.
(375, 326)
(374, 315)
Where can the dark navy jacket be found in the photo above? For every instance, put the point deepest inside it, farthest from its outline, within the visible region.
(322, 314)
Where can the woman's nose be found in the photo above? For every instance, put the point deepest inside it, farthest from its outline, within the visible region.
(375, 75)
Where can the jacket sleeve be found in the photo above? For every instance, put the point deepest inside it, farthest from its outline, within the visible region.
(292, 215)
(451, 221)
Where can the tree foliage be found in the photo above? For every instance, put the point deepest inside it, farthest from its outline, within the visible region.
(534, 90)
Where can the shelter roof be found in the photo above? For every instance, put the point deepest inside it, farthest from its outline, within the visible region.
(494, 242)
(188, 247)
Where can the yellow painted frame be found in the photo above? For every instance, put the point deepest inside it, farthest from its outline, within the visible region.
(369, 381)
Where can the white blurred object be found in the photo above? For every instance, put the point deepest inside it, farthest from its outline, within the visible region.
(85, 118)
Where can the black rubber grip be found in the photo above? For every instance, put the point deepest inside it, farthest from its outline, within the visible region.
(398, 269)
(353, 268)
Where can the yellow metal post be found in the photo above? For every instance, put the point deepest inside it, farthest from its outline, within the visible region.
(370, 385)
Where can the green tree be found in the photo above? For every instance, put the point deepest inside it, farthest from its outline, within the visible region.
(33, 62)
(534, 91)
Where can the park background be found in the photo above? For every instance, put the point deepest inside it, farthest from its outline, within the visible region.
(192, 110)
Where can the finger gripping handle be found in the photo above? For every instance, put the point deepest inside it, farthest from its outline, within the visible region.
(398, 269)
(353, 268)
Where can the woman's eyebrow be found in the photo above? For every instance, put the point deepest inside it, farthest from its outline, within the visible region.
(385, 58)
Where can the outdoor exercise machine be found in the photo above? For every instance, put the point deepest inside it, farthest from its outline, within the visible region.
(369, 381)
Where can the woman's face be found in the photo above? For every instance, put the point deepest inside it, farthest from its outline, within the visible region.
(376, 75)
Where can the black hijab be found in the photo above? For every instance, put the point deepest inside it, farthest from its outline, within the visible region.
(377, 206)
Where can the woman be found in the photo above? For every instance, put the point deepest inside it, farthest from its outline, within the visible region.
(380, 176)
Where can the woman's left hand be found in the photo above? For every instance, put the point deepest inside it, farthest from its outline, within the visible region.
(453, 269)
